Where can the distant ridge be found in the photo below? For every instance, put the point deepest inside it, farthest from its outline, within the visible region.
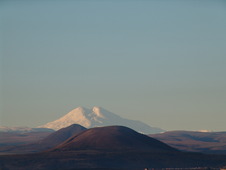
(195, 141)
(48, 142)
(98, 117)
(24, 129)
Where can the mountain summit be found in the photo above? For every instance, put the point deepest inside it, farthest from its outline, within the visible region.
(97, 117)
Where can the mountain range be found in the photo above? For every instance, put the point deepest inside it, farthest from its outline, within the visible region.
(190, 141)
(111, 147)
(97, 117)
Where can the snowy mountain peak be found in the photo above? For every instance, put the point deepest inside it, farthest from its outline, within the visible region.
(75, 112)
(97, 111)
(76, 116)
(96, 117)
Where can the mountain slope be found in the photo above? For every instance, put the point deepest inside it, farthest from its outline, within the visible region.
(113, 138)
(98, 117)
(61, 135)
(206, 142)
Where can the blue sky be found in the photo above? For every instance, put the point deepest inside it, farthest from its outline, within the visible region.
(161, 62)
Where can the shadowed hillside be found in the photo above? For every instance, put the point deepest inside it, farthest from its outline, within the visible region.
(61, 135)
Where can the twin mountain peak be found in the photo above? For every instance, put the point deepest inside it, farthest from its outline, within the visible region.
(97, 117)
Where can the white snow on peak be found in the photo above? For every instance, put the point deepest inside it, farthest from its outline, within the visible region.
(95, 117)
(204, 130)
(76, 116)
(97, 111)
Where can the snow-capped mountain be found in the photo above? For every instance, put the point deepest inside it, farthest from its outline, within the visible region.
(97, 117)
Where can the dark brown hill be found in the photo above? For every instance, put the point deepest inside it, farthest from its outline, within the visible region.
(62, 135)
(206, 142)
(113, 138)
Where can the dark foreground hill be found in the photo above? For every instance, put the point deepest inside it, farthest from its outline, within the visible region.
(113, 138)
(48, 142)
(61, 135)
(206, 142)
(114, 147)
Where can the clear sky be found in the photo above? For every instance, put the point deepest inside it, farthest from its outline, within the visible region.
(160, 62)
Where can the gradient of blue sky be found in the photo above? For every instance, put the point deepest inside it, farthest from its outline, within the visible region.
(161, 62)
